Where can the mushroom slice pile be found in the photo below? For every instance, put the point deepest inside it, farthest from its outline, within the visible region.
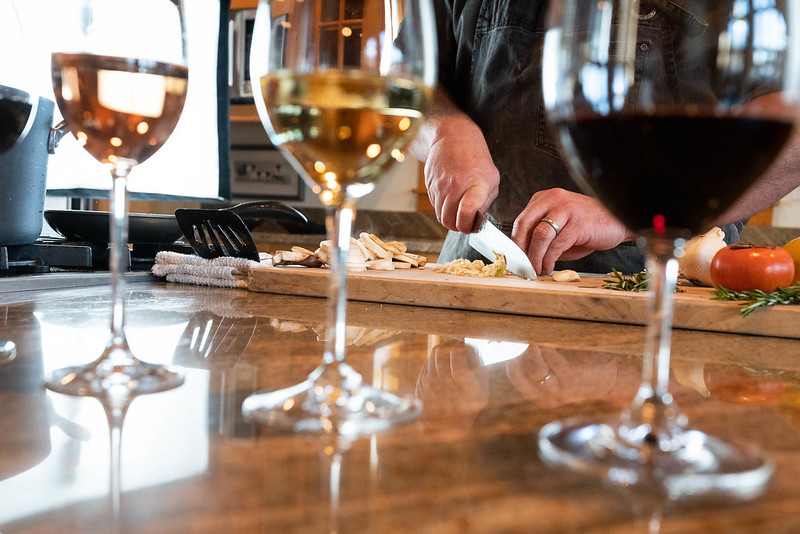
(369, 252)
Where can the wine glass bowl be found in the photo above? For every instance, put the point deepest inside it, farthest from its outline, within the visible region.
(341, 89)
(121, 91)
(95, 95)
(343, 149)
(668, 140)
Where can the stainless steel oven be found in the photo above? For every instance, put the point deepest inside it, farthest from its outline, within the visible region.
(241, 32)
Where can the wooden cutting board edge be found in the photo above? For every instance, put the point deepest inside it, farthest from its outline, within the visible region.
(584, 300)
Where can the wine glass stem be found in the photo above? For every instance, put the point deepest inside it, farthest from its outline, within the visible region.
(663, 269)
(118, 251)
(653, 418)
(339, 221)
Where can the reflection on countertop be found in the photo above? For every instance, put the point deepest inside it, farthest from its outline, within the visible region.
(489, 382)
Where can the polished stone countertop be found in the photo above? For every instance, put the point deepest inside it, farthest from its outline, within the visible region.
(190, 462)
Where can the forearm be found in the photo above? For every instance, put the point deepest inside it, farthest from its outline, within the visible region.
(779, 180)
(444, 118)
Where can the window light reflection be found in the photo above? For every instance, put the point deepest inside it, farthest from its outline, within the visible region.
(490, 352)
(158, 445)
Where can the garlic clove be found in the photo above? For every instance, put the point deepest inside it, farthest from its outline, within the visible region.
(695, 264)
(567, 275)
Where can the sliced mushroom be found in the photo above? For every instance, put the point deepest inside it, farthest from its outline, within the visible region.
(290, 257)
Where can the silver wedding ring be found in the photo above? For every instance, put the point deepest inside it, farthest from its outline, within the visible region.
(553, 224)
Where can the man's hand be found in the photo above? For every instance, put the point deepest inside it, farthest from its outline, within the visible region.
(453, 387)
(459, 171)
(461, 178)
(584, 226)
(552, 377)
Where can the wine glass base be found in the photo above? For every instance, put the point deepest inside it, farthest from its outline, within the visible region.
(100, 380)
(701, 466)
(368, 410)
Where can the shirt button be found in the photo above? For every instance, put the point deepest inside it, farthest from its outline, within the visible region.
(643, 47)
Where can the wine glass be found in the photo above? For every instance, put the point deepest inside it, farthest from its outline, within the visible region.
(667, 143)
(341, 87)
(119, 72)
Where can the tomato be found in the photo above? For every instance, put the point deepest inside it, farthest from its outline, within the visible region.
(740, 386)
(741, 267)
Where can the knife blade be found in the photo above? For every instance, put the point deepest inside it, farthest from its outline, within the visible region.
(487, 239)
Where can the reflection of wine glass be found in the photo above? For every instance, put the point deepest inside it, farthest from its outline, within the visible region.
(121, 89)
(667, 144)
(116, 408)
(342, 88)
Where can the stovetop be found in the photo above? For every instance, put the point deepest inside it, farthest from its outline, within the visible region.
(55, 257)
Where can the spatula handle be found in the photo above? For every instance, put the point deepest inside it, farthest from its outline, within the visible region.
(267, 209)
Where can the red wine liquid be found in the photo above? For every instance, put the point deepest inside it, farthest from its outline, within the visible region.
(673, 171)
(13, 118)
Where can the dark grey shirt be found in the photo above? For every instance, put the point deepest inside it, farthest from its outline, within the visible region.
(490, 62)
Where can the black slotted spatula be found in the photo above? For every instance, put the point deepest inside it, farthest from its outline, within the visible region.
(214, 233)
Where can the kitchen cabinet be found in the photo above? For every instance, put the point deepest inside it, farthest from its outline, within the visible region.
(243, 4)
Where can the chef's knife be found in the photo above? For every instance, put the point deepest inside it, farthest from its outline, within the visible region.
(487, 239)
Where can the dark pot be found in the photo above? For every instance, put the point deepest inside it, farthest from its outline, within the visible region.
(23, 177)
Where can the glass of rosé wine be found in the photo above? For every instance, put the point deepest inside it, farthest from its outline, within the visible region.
(121, 93)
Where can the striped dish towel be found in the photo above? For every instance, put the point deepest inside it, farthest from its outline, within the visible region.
(218, 272)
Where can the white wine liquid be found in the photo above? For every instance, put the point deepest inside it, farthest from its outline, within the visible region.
(345, 129)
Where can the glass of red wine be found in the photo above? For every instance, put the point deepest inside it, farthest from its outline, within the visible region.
(667, 116)
(120, 77)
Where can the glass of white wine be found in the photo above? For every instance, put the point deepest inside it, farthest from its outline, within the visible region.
(341, 87)
(121, 91)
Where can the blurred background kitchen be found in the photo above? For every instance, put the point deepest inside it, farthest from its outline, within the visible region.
(220, 155)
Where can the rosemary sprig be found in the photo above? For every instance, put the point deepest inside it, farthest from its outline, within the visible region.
(756, 299)
(636, 282)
